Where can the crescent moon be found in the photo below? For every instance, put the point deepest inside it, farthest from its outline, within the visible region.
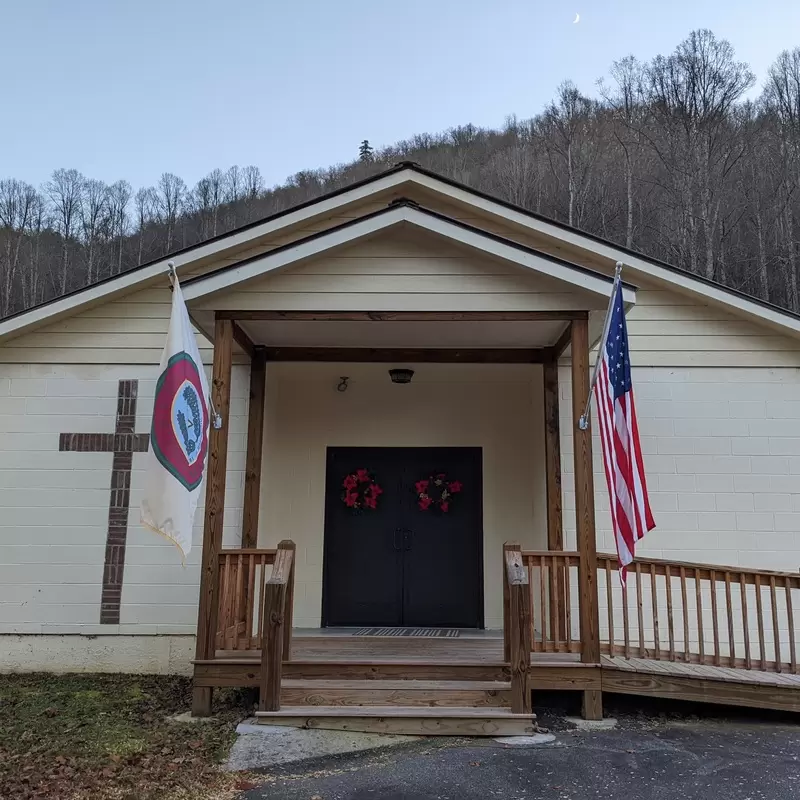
(577, 19)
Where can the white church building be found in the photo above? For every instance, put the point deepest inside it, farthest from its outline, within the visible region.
(486, 315)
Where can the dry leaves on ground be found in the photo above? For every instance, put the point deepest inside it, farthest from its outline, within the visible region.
(70, 737)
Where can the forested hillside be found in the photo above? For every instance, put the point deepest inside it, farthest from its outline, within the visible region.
(684, 157)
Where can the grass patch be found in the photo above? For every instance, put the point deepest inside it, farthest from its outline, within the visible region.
(107, 736)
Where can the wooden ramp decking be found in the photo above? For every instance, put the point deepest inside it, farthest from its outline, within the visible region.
(701, 682)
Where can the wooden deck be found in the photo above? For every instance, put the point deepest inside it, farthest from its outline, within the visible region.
(681, 631)
(344, 647)
(337, 656)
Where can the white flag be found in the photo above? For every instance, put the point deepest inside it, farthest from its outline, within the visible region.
(176, 457)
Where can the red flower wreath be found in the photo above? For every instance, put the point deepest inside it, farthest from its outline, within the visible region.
(436, 491)
(361, 490)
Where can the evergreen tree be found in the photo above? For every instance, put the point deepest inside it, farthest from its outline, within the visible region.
(365, 151)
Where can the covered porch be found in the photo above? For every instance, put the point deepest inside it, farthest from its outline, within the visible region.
(404, 287)
(680, 630)
(232, 615)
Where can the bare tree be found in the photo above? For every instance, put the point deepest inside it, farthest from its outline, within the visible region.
(94, 217)
(119, 198)
(170, 193)
(669, 159)
(692, 94)
(233, 189)
(252, 188)
(145, 202)
(64, 191)
(515, 174)
(566, 126)
(781, 98)
(18, 201)
(630, 110)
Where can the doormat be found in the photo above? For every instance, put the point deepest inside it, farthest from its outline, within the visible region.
(444, 633)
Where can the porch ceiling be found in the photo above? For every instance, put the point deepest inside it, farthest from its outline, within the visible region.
(388, 334)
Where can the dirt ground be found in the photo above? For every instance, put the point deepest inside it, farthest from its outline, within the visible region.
(76, 737)
(108, 736)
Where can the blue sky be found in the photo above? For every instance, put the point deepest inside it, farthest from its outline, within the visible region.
(133, 88)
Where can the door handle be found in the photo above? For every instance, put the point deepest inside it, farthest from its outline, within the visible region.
(407, 534)
(397, 542)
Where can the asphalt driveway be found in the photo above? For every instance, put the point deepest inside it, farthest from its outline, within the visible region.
(645, 758)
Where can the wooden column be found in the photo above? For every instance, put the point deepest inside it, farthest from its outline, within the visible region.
(255, 443)
(552, 454)
(555, 522)
(584, 513)
(215, 509)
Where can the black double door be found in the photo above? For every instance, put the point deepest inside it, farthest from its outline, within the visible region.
(397, 565)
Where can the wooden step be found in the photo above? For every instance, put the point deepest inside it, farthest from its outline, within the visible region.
(397, 670)
(476, 694)
(412, 720)
(245, 671)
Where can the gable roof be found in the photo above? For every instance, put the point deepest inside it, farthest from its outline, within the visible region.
(403, 212)
(385, 183)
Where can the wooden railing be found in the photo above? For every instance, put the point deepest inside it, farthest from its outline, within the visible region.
(700, 614)
(242, 576)
(553, 587)
(276, 637)
(256, 609)
(670, 611)
(517, 626)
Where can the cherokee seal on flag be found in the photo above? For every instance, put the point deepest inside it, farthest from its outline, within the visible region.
(176, 457)
(179, 434)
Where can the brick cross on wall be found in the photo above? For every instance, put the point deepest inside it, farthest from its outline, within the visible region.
(123, 443)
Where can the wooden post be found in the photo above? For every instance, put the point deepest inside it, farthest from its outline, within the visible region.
(584, 513)
(520, 631)
(507, 547)
(552, 450)
(555, 523)
(255, 443)
(272, 641)
(288, 544)
(215, 509)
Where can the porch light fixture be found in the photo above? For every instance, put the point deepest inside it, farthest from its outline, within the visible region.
(401, 375)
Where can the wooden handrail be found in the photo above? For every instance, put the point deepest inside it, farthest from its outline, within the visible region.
(550, 553)
(519, 631)
(275, 640)
(714, 617)
(705, 570)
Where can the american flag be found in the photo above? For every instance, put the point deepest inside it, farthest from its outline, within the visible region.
(631, 517)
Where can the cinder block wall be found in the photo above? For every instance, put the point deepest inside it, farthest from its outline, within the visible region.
(55, 505)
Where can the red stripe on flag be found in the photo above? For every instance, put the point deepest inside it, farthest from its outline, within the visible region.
(631, 516)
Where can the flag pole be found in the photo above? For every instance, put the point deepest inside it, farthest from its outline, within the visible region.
(583, 422)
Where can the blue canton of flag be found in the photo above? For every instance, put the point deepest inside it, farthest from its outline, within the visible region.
(631, 516)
